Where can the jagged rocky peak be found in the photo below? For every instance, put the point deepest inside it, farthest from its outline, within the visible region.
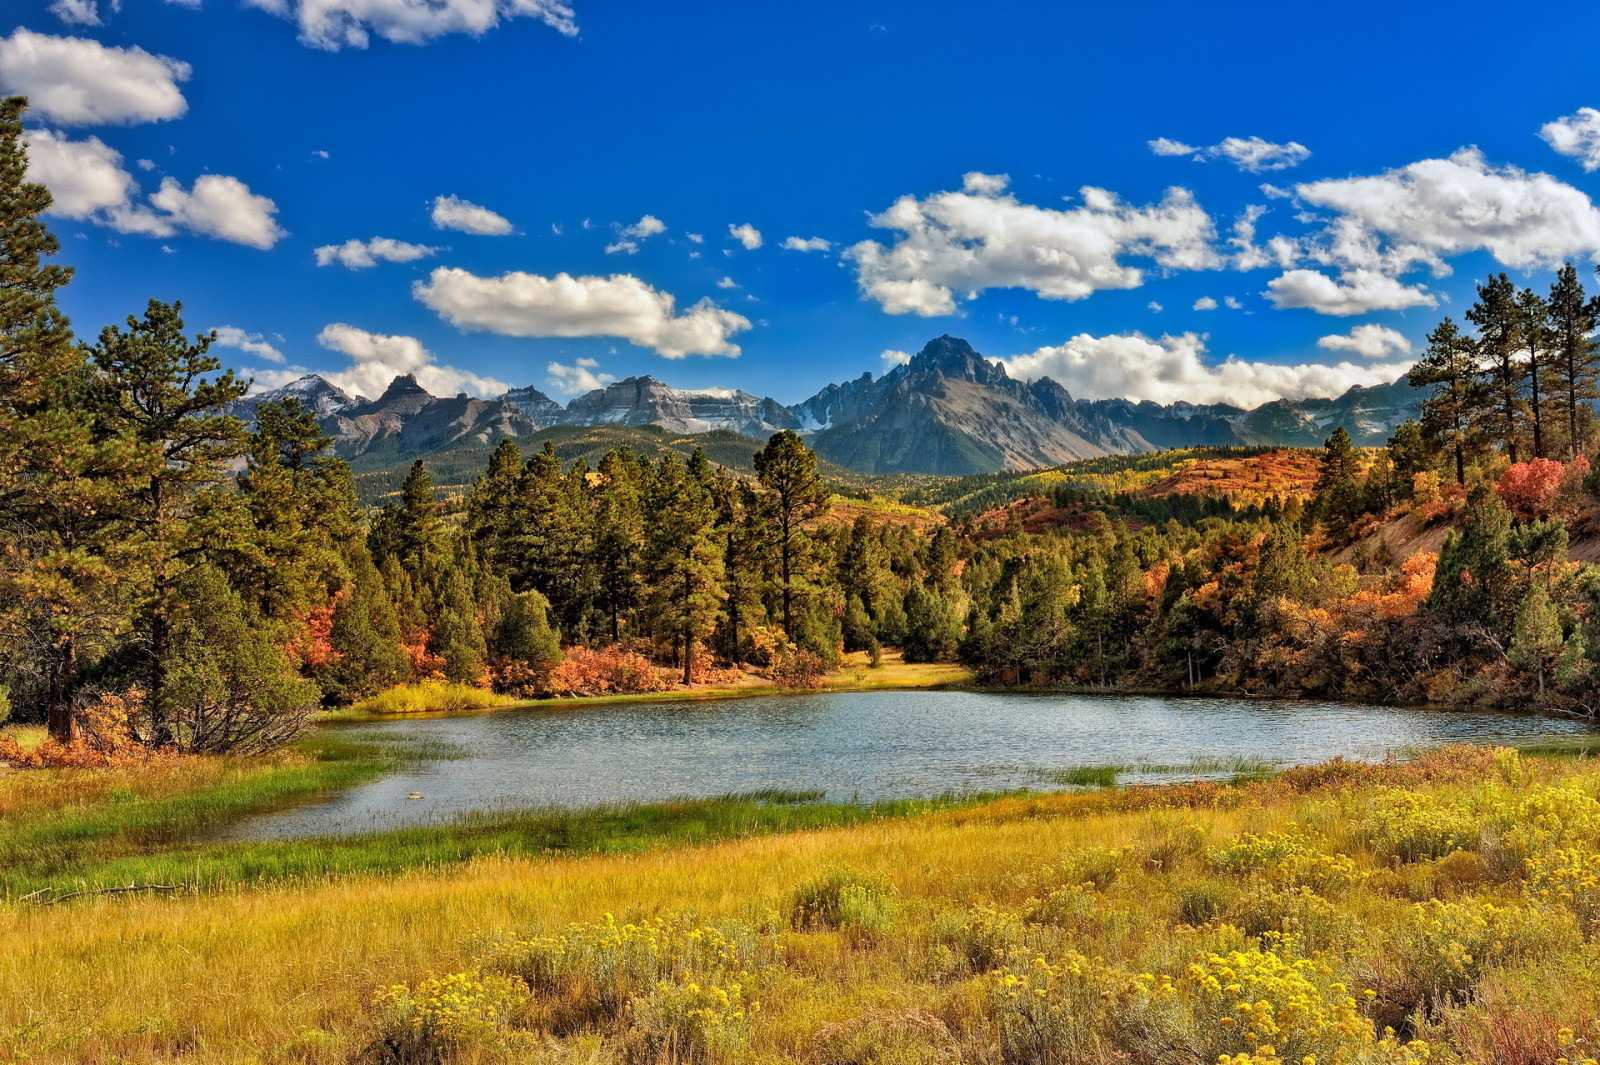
(403, 396)
(954, 357)
(647, 401)
(321, 396)
(535, 404)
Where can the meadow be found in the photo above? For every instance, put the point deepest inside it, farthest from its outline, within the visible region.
(1438, 910)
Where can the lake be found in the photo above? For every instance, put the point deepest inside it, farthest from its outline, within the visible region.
(859, 746)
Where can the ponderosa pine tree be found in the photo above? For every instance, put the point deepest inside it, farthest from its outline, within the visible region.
(167, 396)
(1534, 336)
(795, 495)
(1337, 493)
(491, 506)
(1451, 413)
(1497, 317)
(618, 538)
(682, 560)
(1575, 361)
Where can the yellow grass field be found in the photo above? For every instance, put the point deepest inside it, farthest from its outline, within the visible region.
(1452, 900)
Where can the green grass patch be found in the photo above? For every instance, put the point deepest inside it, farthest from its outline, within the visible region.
(152, 813)
(521, 833)
(1085, 776)
(432, 697)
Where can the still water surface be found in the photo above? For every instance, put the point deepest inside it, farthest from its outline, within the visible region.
(859, 746)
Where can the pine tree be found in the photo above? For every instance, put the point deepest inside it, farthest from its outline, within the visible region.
(1450, 415)
(796, 495)
(364, 637)
(168, 396)
(682, 560)
(1497, 318)
(1534, 334)
(1474, 588)
(1337, 493)
(1575, 363)
(457, 636)
(1536, 642)
(418, 529)
(618, 538)
(491, 505)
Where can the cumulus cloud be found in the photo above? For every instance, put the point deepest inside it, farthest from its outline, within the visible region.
(528, 305)
(84, 177)
(87, 181)
(695, 238)
(1576, 135)
(231, 336)
(79, 82)
(727, 282)
(1154, 306)
(452, 212)
(1205, 303)
(336, 24)
(956, 244)
(1247, 153)
(892, 357)
(1356, 292)
(806, 244)
(377, 359)
(1172, 368)
(1232, 304)
(577, 379)
(77, 12)
(648, 226)
(1370, 341)
(215, 206)
(1425, 212)
(361, 254)
(626, 247)
(745, 234)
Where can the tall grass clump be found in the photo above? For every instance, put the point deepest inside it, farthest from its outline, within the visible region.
(433, 696)
(850, 901)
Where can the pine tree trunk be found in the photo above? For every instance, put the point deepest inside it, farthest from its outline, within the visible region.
(62, 724)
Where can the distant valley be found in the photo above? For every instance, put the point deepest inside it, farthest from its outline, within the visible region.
(949, 411)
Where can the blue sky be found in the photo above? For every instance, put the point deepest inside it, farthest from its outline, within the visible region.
(1068, 186)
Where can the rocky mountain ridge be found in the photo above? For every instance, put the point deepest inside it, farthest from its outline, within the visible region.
(949, 410)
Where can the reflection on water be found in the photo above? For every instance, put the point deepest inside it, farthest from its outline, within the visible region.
(859, 746)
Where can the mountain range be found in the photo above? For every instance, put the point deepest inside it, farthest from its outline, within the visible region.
(947, 411)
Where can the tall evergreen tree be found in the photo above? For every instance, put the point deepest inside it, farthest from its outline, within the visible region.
(796, 495)
(168, 395)
(1450, 414)
(1337, 493)
(1534, 334)
(1575, 362)
(1497, 317)
(618, 538)
(683, 562)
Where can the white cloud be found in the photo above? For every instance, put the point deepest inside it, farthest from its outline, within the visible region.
(648, 226)
(745, 234)
(1247, 153)
(231, 336)
(695, 238)
(1205, 303)
(77, 12)
(1426, 211)
(1356, 292)
(79, 82)
(84, 177)
(528, 305)
(87, 182)
(335, 24)
(452, 212)
(360, 254)
(1165, 146)
(727, 282)
(962, 243)
(891, 357)
(626, 247)
(1154, 306)
(980, 184)
(216, 206)
(1370, 341)
(1231, 303)
(378, 359)
(577, 379)
(806, 244)
(1166, 370)
(1576, 135)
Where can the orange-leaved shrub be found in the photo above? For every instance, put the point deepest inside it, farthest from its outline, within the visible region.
(607, 671)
